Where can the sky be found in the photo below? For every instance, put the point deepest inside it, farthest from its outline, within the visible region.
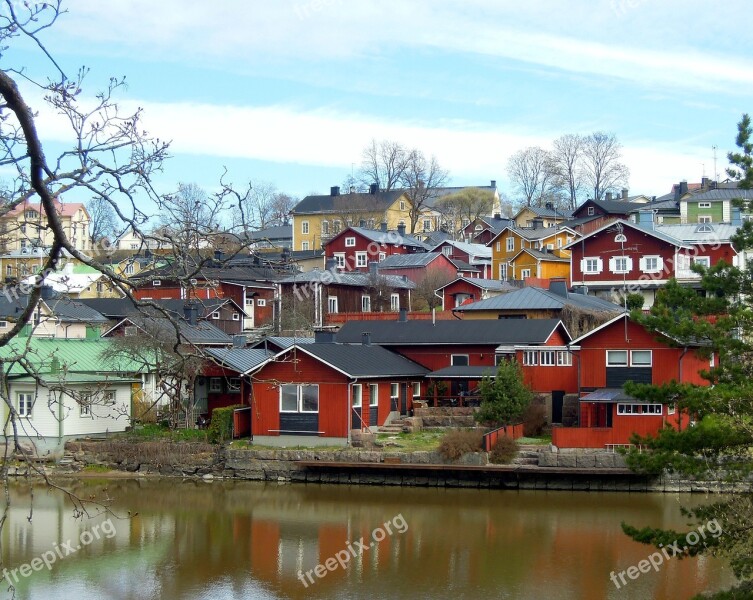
(290, 91)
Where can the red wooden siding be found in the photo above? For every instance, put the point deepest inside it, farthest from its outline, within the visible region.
(513, 432)
(363, 244)
(439, 357)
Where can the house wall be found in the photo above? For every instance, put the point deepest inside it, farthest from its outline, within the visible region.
(500, 253)
(441, 267)
(439, 357)
(461, 286)
(716, 212)
(363, 244)
(541, 269)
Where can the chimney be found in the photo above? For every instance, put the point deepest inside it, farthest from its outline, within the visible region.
(624, 194)
(239, 341)
(366, 338)
(401, 230)
(403, 315)
(645, 217)
(191, 313)
(219, 255)
(334, 190)
(324, 337)
(374, 189)
(497, 216)
(705, 183)
(559, 287)
(55, 365)
(736, 220)
(494, 183)
(549, 206)
(683, 187)
(608, 197)
(537, 223)
(373, 268)
(330, 264)
(362, 224)
(383, 226)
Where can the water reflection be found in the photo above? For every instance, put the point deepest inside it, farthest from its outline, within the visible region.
(196, 540)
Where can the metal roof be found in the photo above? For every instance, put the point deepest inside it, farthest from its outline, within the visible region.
(477, 250)
(407, 261)
(694, 232)
(346, 202)
(541, 255)
(463, 372)
(281, 342)
(486, 284)
(74, 310)
(386, 237)
(609, 395)
(202, 333)
(119, 308)
(534, 298)
(241, 360)
(351, 279)
(476, 332)
(647, 228)
(359, 360)
(278, 232)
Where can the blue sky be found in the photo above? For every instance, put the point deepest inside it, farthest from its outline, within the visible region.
(290, 91)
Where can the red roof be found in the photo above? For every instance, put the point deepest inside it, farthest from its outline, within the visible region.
(64, 209)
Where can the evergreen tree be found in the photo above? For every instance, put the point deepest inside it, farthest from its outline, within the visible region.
(504, 397)
(719, 446)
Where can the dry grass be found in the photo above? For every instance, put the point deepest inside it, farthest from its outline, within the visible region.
(457, 442)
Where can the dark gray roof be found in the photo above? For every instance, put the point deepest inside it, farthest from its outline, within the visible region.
(119, 308)
(350, 279)
(462, 372)
(497, 224)
(278, 232)
(486, 284)
(533, 298)
(281, 343)
(74, 310)
(202, 334)
(436, 238)
(725, 194)
(347, 203)
(238, 269)
(543, 211)
(529, 233)
(540, 255)
(358, 360)
(611, 207)
(242, 360)
(386, 237)
(461, 265)
(608, 395)
(407, 261)
(419, 333)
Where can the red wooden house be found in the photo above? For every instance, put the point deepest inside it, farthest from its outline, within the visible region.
(355, 247)
(321, 389)
(483, 229)
(476, 255)
(467, 289)
(627, 257)
(593, 214)
(612, 354)
(417, 267)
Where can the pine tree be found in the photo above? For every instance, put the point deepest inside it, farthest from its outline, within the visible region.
(504, 397)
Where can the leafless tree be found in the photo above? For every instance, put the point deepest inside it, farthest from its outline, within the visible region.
(424, 294)
(467, 204)
(532, 173)
(567, 157)
(603, 170)
(102, 224)
(420, 179)
(383, 163)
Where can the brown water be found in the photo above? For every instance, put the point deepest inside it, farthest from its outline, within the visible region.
(221, 540)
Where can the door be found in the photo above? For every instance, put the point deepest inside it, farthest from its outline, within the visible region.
(558, 400)
(403, 398)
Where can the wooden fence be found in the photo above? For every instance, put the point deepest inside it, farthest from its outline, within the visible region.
(513, 432)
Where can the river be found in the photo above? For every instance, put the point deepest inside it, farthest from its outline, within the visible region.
(197, 540)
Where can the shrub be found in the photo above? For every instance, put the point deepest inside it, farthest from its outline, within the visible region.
(534, 418)
(221, 425)
(503, 451)
(457, 442)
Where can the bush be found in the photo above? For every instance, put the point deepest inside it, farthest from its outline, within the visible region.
(534, 418)
(457, 442)
(503, 452)
(221, 425)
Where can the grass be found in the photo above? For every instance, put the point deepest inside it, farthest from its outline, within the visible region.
(97, 469)
(541, 440)
(411, 442)
(151, 432)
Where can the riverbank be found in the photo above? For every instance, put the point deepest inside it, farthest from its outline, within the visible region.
(578, 471)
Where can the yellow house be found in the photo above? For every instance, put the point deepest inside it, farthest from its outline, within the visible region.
(543, 216)
(536, 263)
(510, 241)
(25, 227)
(316, 219)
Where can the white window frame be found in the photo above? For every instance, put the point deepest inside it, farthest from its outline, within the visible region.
(156, 283)
(639, 410)
(530, 358)
(590, 211)
(620, 363)
(702, 260)
(85, 405)
(466, 356)
(402, 204)
(650, 358)
(3, 324)
(304, 227)
(299, 398)
(510, 244)
(394, 393)
(129, 269)
(503, 271)
(215, 385)
(261, 302)
(304, 245)
(373, 397)
(339, 259)
(427, 225)
(616, 264)
(232, 386)
(643, 264)
(416, 390)
(236, 316)
(564, 358)
(705, 219)
(394, 302)
(671, 408)
(704, 205)
(365, 303)
(325, 227)
(332, 304)
(547, 358)
(447, 250)
(357, 395)
(25, 404)
(382, 256)
(350, 242)
(216, 315)
(587, 262)
(499, 246)
(525, 273)
(362, 259)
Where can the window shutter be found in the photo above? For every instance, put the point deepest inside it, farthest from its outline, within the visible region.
(629, 263)
(599, 265)
(582, 265)
(660, 263)
(642, 264)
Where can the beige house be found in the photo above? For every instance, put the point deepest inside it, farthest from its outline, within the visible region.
(25, 227)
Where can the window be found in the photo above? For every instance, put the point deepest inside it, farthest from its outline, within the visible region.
(85, 405)
(373, 394)
(510, 244)
(503, 272)
(261, 302)
(215, 385)
(651, 264)
(620, 264)
(350, 242)
(305, 227)
(550, 246)
(447, 250)
(395, 302)
(499, 246)
(671, 408)
(24, 403)
(547, 358)
(371, 223)
(299, 398)
(336, 226)
(704, 261)
(357, 395)
(8, 271)
(134, 246)
(640, 358)
(365, 303)
(394, 394)
(156, 283)
(130, 331)
(108, 397)
(30, 214)
(592, 265)
(590, 211)
(704, 218)
(339, 260)
(416, 385)
(23, 228)
(639, 409)
(236, 316)
(3, 324)
(617, 358)
(427, 224)
(525, 273)
(459, 360)
(100, 287)
(129, 269)
(704, 205)
(362, 259)
(559, 243)
(382, 256)
(530, 357)
(325, 227)
(216, 315)
(304, 245)
(564, 358)
(332, 304)
(402, 204)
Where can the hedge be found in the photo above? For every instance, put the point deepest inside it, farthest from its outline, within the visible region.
(221, 425)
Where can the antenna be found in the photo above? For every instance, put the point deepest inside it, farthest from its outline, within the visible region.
(716, 175)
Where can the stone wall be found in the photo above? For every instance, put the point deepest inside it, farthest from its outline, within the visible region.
(446, 416)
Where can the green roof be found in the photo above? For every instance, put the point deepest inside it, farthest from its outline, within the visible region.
(73, 355)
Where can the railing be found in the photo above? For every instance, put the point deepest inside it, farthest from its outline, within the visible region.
(451, 400)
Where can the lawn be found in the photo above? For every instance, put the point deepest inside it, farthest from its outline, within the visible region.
(410, 442)
(152, 431)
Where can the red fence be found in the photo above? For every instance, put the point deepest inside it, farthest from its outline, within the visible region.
(511, 431)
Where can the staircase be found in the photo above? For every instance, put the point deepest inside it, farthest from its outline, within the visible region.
(528, 455)
(394, 427)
